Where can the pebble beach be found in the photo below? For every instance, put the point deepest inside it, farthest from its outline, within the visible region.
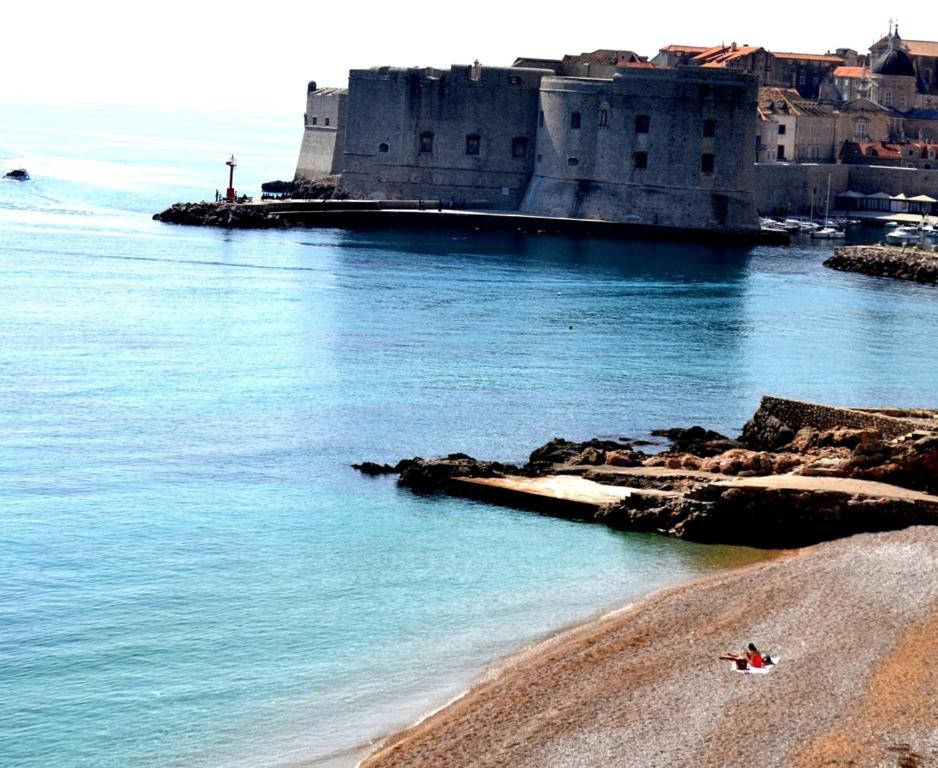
(854, 622)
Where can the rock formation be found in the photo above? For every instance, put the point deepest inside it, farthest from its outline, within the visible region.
(797, 475)
(886, 261)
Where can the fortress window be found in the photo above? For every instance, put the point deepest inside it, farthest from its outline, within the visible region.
(781, 129)
(519, 146)
(426, 143)
(327, 121)
(603, 118)
(575, 120)
(642, 123)
(706, 163)
(473, 143)
(314, 120)
(382, 147)
(709, 129)
(639, 160)
(572, 161)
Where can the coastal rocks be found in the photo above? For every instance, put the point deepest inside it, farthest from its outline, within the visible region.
(224, 214)
(590, 452)
(910, 461)
(696, 441)
(373, 468)
(886, 261)
(430, 476)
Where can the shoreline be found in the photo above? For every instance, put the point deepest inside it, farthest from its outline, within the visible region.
(566, 700)
(506, 663)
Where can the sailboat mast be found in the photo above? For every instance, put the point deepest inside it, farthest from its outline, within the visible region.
(827, 207)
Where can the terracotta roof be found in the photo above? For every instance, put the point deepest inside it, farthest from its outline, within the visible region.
(684, 49)
(859, 72)
(921, 47)
(870, 149)
(825, 57)
(720, 56)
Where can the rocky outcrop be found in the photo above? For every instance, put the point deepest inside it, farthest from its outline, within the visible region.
(228, 215)
(886, 261)
(696, 441)
(430, 476)
(803, 464)
(544, 460)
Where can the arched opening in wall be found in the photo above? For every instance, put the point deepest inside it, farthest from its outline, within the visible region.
(426, 143)
(383, 148)
(519, 146)
(572, 161)
(473, 144)
(575, 118)
(642, 123)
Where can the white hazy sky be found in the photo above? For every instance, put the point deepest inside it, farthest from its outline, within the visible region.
(259, 56)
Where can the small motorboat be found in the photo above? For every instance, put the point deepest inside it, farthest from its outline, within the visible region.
(902, 236)
(18, 174)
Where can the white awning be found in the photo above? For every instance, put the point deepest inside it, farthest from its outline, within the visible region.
(922, 199)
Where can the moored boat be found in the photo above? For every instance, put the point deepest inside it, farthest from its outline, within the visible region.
(17, 174)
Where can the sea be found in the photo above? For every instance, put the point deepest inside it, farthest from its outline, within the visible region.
(192, 574)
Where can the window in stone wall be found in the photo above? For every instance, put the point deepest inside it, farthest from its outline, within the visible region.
(314, 121)
(780, 152)
(640, 160)
(514, 79)
(709, 128)
(426, 142)
(327, 121)
(706, 162)
(382, 147)
(473, 144)
(781, 129)
(540, 119)
(572, 161)
(642, 123)
(603, 118)
(519, 146)
(575, 120)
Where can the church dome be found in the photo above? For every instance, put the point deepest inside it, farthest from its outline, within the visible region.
(894, 62)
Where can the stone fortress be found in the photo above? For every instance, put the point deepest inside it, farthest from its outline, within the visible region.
(609, 135)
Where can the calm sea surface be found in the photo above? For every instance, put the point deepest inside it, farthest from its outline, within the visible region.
(190, 572)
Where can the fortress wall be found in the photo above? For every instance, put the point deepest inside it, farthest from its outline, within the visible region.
(788, 188)
(321, 151)
(591, 171)
(781, 187)
(389, 109)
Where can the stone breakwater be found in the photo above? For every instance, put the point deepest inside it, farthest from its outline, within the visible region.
(222, 214)
(799, 473)
(886, 261)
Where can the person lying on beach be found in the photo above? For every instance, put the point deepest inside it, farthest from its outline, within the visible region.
(750, 658)
(754, 657)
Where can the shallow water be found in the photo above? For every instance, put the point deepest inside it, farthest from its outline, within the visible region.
(190, 572)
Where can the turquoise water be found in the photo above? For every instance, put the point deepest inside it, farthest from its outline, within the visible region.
(190, 572)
